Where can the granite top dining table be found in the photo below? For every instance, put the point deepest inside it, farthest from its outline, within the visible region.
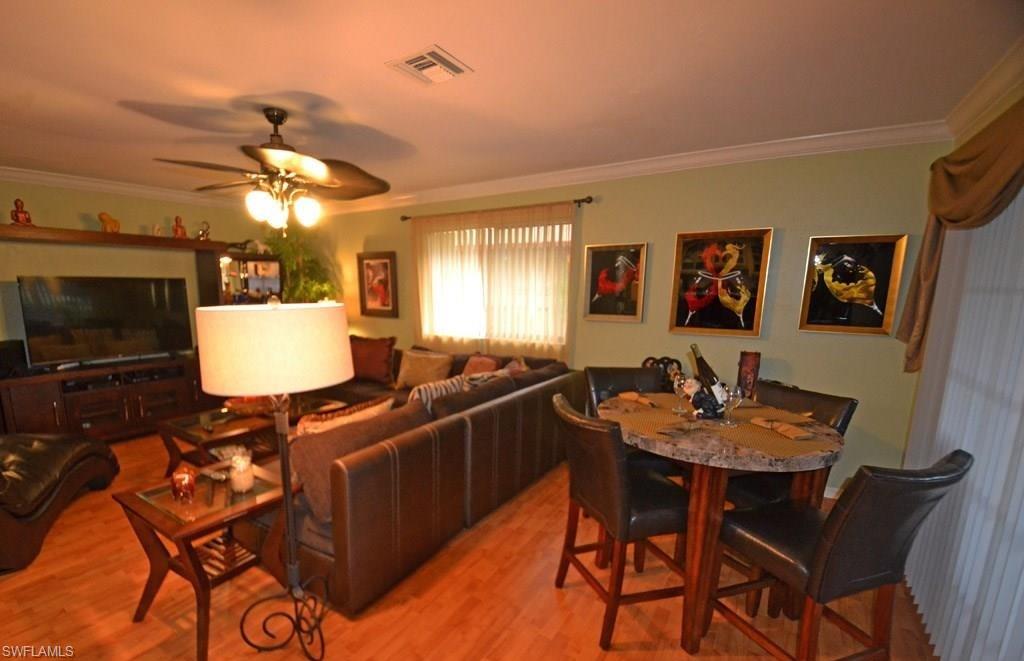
(713, 452)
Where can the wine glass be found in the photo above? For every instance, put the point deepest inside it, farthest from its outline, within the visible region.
(733, 398)
(678, 386)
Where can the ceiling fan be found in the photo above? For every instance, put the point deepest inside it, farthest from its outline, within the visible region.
(286, 179)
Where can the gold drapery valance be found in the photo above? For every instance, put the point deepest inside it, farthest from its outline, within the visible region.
(968, 189)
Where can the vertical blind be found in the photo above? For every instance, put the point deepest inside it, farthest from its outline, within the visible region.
(496, 281)
(966, 570)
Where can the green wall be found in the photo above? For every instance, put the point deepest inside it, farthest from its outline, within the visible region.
(877, 191)
(76, 209)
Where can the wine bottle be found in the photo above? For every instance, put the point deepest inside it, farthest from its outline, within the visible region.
(708, 377)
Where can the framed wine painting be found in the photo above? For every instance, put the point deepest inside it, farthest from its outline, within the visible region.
(378, 278)
(852, 283)
(719, 280)
(615, 281)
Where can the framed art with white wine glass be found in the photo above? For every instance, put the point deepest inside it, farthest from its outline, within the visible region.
(852, 283)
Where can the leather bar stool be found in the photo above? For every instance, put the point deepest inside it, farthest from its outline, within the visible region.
(630, 502)
(607, 382)
(757, 489)
(862, 544)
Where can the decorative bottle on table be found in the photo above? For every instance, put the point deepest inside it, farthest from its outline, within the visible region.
(710, 401)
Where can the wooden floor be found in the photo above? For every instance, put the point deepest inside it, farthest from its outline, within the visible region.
(488, 595)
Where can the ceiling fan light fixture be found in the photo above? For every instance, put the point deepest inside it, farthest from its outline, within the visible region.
(307, 210)
(260, 204)
(278, 217)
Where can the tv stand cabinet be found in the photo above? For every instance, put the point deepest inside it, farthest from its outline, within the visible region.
(105, 402)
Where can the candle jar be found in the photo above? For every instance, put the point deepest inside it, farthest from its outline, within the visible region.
(183, 484)
(242, 477)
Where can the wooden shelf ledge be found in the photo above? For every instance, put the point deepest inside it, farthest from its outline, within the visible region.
(86, 237)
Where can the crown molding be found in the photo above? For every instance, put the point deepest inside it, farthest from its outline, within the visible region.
(903, 134)
(996, 91)
(74, 182)
(887, 136)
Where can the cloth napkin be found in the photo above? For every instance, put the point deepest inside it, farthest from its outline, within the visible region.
(791, 432)
(631, 396)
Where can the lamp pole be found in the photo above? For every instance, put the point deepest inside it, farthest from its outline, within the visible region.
(304, 619)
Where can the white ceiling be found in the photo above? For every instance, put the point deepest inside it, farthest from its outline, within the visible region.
(98, 89)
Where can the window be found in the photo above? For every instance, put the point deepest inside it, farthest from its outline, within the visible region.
(496, 281)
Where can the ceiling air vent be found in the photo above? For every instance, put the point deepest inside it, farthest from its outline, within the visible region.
(431, 65)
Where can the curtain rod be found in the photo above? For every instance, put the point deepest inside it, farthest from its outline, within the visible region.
(578, 202)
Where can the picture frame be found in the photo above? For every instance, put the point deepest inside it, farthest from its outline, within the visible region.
(719, 282)
(615, 281)
(378, 280)
(852, 283)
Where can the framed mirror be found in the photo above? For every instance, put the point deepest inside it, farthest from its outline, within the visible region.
(247, 279)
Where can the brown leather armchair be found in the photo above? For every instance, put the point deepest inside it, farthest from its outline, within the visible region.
(630, 503)
(862, 544)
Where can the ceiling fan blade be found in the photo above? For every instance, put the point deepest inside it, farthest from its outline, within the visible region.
(355, 182)
(307, 167)
(206, 166)
(226, 184)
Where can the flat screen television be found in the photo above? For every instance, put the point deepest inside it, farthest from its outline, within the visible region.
(86, 319)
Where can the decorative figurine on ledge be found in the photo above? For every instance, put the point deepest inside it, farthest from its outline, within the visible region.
(158, 229)
(19, 216)
(179, 230)
(110, 224)
(204, 231)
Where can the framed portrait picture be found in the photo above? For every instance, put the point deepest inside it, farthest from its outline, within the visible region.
(852, 283)
(378, 281)
(615, 281)
(719, 281)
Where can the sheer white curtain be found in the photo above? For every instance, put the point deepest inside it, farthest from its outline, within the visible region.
(966, 570)
(496, 281)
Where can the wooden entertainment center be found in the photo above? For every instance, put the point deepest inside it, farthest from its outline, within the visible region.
(113, 400)
(107, 402)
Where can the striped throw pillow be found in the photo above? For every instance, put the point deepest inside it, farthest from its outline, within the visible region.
(428, 392)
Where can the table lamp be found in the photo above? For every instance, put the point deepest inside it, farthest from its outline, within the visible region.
(276, 350)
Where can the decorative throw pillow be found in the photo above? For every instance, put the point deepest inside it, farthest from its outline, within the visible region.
(315, 423)
(516, 366)
(372, 358)
(479, 363)
(476, 380)
(313, 454)
(428, 392)
(419, 367)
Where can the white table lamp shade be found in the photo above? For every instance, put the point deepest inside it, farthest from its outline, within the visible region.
(255, 350)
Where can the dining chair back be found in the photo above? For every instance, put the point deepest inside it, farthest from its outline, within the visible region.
(833, 410)
(598, 478)
(868, 533)
(607, 382)
(666, 365)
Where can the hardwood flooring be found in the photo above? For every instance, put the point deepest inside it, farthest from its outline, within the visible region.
(488, 595)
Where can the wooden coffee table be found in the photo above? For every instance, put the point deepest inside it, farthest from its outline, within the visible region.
(217, 427)
(153, 513)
